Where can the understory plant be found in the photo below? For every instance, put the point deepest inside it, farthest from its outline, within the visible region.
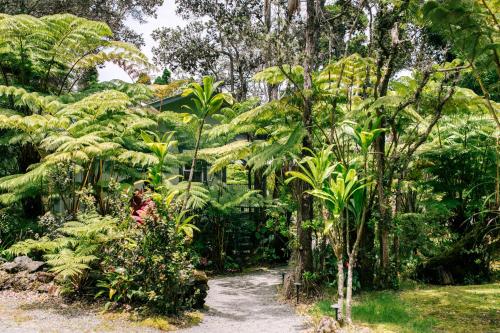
(151, 267)
(337, 186)
(145, 265)
(75, 249)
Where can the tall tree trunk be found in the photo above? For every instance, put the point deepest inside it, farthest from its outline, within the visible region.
(397, 211)
(304, 214)
(383, 205)
(306, 201)
(352, 261)
(304, 255)
(367, 258)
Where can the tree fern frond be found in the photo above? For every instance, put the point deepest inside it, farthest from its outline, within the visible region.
(135, 158)
(32, 100)
(25, 247)
(33, 176)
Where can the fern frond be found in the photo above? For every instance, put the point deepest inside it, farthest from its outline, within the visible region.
(28, 246)
(68, 263)
(135, 158)
(32, 100)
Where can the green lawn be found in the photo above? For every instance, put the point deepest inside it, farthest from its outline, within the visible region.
(427, 309)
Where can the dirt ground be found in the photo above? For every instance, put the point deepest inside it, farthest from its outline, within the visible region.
(235, 304)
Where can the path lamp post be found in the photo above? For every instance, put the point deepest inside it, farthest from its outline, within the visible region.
(335, 308)
(297, 290)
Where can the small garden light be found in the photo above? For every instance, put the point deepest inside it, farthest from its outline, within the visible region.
(297, 290)
(335, 307)
(283, 278)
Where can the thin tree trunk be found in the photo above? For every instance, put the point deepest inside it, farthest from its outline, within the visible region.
(193, 164)
(348, 302)
(340, 286)
(352, 262)
(398, 208)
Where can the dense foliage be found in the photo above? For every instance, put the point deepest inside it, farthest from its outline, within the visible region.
(80, 153)
(359, 139)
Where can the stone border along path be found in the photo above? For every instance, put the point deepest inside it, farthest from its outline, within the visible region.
(243, 303)
(247, 303)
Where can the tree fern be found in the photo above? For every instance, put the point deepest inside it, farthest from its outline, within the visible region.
(61, 47)
(71, 254)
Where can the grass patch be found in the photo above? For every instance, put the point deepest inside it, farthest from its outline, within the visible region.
(423, 309)
(387, 311)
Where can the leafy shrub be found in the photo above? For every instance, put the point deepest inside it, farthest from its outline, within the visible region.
(150, 267)
(146, 265)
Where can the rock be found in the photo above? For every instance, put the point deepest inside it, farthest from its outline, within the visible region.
(21, 275)
(4, 280)
(54, 290)
(26, 263)
(11, 267)
(22, 263)
(34, 266)
(44, 277)
(328, 325)
(22, 260)
(48, 288)
(21, 281)
(43, 288)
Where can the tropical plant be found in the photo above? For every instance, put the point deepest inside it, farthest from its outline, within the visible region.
(161, 150)
(335, 185)
(70, 46)
(207, 102)
(77, 249)
(43, 59)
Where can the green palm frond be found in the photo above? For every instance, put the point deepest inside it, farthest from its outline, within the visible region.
(135, 158)
(32, 100)
(21, 185)
(272, 155)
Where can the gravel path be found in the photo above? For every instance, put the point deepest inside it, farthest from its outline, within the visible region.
(31, 312)
(247, 304)
(236, 304)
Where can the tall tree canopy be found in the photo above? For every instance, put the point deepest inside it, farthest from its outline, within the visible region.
(223, 39)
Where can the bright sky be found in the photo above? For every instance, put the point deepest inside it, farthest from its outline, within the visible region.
(166, 17)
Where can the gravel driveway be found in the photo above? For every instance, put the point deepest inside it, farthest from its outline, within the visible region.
(236, 304)
(247, 304)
